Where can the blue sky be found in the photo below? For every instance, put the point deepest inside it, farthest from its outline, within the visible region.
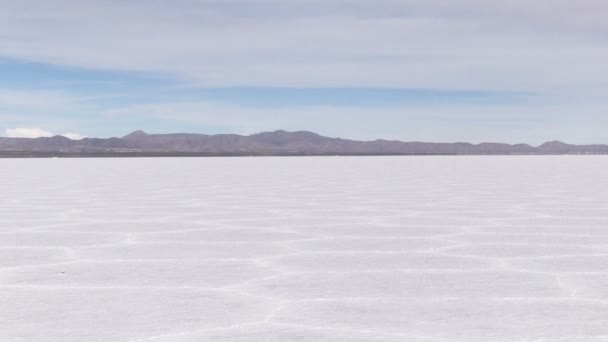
(467, 70)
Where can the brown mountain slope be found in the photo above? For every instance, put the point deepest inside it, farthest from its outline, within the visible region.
(269, 143)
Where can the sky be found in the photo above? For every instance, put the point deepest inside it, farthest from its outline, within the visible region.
(413, 70)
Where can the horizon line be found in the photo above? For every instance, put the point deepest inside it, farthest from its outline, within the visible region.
(143, 132)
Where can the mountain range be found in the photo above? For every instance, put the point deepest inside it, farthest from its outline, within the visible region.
(140, 143)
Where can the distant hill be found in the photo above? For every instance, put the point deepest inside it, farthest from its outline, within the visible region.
(140, 143)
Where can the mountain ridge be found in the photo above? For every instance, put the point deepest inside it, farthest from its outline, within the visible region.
(278, 142)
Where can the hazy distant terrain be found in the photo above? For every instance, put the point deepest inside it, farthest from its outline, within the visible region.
(270, 143)
(476, 249)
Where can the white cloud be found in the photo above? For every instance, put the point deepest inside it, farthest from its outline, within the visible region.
(73, 136)
(37, 100)
(472, 123)
(22, 132)
(473, 44)
(554, 48)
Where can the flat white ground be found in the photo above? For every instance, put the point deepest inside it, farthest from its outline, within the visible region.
(362, 249)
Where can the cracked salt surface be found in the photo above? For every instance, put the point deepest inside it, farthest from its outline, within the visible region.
(305, 249)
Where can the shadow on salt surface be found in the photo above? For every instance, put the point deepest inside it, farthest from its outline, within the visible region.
(221, 214)
(63, 239)
(369, 244)
(374, 230)
(577, 229)
(433, 221)
(13, 226)
(157, 273)
(557, 221)
(570, 209)
(505, 250)
(102, 315)
(563, 264)
(464, 215)
(24, 256)
(26, 215)
(532, 239)
(282, 223)
(284, 333)
(223, 235)
(591, 286)
(128, 226)
(126, 212)
(414, 285)
(457, 320)
(193, 250)
(353, 261)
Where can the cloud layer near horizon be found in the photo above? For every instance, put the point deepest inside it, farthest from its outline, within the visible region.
(465, 44)
(554, 49)
(23, 132)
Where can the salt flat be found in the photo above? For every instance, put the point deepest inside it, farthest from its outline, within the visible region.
(501, 248)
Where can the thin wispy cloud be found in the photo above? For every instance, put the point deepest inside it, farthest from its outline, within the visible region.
(36, 100)
(23, 132)
(470, 122)
(463, 44)
(553, 50)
